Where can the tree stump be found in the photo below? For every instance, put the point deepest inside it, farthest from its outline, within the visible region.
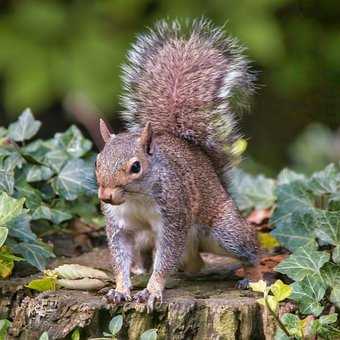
(201, 307)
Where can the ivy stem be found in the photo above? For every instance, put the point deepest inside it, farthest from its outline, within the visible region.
(282, 326)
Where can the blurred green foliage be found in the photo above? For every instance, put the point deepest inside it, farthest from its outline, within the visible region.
(51, 49)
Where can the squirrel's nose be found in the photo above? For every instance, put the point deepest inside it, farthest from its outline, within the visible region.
(113, 196)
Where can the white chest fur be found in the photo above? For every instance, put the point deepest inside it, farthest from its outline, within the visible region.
(138, 212)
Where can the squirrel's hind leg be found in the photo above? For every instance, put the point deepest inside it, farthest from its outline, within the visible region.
(232, 233)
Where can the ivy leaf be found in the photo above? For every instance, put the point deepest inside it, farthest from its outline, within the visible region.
(9, 208)
(56, 159)
(330, 273)
(73, 141)
(35, 151)
(3, 235)
(336, 254)
(251, 191)
(290, 198)
(44, 284)
(75, 178)
(19, 227)
(6, 179)
(44, 336)
(280, 290)
(150, 334)
(328, 319)
(304, 261)
(75, 334)
(36, 253)
(7, 262)
(286, 176)
(24, 128)
(335, 295)
(46, 213)
(259, 286)
(4, 325)
(323, 326)
(325, 181)
(116, 324)
(38, 173)
(308, 293)
(271, 300)
(292, 323)
(329, 227)
(299, 231)
(32, 195)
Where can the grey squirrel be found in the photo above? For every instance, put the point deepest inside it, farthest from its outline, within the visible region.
(163, 184)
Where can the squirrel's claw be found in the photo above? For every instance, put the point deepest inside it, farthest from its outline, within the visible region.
(116, 297)
(243, 284)
(150, 298)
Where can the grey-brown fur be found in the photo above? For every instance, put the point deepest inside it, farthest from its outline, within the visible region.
(189, 79)
(181, 131)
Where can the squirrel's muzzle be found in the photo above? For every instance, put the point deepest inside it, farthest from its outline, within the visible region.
(112, 196)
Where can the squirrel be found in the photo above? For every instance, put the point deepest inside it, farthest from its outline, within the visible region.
(163, 184)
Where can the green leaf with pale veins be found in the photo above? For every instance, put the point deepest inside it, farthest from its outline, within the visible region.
(251, 191)
(32, 195)
(150, 334)
(325, 181)
(6, 180)
(3, 235)
(46, 213)
(336, 254)
(44, 336)
(292, 323)
(35, 151)
(116, 324)
(9, 208)
(75, 178)
(334, 297)
(299, 231)
(38, 173)
(290, 198)
(328, 230)
(24, 128)
(286, 176)
(330, 273)
(56, 159)
(73, 142)
(304, 261)
(308, 293)
(37, 254)
(20, 228)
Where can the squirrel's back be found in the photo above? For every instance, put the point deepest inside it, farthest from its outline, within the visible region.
(188, 79)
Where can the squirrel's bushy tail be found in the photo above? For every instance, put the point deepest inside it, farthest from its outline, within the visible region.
(188, 79)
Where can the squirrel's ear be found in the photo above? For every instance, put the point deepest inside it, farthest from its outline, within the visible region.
(104, 130)
(146, 138)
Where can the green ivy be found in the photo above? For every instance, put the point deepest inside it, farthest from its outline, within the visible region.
(44, 184)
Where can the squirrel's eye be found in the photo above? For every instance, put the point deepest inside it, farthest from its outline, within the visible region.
(135, 167)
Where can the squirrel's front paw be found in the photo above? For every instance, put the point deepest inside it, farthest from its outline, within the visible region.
(150, 298)
(113, 296)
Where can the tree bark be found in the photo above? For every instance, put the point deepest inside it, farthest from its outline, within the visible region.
(200, 307)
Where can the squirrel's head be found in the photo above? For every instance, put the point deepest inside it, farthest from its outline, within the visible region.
(123, 164)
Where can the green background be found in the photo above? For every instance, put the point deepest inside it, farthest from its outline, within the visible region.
(51, 51)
